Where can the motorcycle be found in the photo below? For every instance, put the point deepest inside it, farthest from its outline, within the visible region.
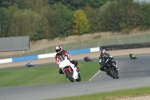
(70, 70)
(132, 56)
(87, 59)
(110, 68)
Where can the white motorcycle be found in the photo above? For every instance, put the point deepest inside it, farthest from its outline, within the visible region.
(70, 70)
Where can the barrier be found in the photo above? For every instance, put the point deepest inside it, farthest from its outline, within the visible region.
(80, 51)
(126, 46)
(25, 58)
(35, 57)
(2, 61)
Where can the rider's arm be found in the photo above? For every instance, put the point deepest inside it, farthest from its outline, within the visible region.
(68, 55)
(100, 59)
(112, 58)
(57, 60)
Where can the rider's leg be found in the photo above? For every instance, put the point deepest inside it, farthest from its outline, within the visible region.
(60, 71)
(102, 68)
(75, 62)
(116, 65)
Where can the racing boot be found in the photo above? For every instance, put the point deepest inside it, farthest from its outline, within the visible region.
(60, 71)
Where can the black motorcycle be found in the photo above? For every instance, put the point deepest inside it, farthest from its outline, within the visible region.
(110, 68)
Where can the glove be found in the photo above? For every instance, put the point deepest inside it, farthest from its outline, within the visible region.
(100, 60)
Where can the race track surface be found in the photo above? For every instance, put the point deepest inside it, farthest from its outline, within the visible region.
(133, 74)
(129, 67)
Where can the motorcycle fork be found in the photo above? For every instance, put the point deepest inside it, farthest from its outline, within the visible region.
(69, 69)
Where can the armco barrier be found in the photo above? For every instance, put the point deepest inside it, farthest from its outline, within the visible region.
(35, 57)
(126, 46)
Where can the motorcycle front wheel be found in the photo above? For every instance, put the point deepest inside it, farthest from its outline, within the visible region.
(68, 74)
(112, 73)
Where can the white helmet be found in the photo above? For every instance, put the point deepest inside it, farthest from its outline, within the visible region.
(58, 49)
(103, 52)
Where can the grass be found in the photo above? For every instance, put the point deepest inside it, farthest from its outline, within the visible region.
(42, 75)
(112, 95)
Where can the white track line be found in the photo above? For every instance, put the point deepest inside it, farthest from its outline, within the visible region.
(94, 75)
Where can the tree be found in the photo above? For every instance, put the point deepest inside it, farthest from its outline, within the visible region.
(79, 4)
(109, 17)
(36, 5)
(60, 21)
(130, 16)
(24, 23)
(4, 22)
(81, 23)
(93, 18)
(144, 10)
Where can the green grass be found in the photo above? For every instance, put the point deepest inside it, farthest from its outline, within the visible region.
(110, 95)
(43, 75)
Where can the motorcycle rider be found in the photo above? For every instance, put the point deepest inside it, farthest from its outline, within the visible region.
(60, 56)
(102, 59)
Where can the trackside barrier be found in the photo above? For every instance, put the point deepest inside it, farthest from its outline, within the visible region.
(25, 58)
(35, 57)
(126, 46)
(5, 60)
(46, 55)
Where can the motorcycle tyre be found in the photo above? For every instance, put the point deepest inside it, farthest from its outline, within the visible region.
(112, 73)
(68, 74)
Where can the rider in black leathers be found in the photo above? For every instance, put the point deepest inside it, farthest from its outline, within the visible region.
(102, 59)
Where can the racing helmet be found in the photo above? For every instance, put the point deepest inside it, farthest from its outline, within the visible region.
(58, 49)
(103, 52)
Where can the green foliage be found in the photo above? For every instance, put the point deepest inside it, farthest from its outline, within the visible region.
(129, 14)
(145, 12)
(120, 16)
(47, 19)
(109, 18)
(79, 4)
(42, 29)
(81, 23)
(60, 21)
(93, 18)
(24, 22)
(4, 22)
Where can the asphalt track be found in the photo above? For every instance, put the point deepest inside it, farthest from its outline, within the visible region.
(132, 73)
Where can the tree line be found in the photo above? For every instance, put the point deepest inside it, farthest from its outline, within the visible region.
(48, 19)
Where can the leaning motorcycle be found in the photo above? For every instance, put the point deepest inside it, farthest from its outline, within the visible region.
(110, 68)
(70, 70)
